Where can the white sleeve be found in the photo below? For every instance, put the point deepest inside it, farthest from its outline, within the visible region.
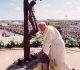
(47, 42)
(46, 49)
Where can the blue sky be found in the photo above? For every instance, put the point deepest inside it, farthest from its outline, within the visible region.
(45, 9)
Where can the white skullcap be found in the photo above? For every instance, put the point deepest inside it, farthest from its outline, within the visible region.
(43, 23)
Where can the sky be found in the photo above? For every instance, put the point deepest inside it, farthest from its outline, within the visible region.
(45, 9)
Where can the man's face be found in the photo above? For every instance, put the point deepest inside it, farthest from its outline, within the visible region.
(42, 27)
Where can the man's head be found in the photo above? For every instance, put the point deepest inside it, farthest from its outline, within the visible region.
(42, 26)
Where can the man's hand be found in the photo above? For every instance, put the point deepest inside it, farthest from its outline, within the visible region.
(41, 53)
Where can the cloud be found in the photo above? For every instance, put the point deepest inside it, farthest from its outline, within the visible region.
(69, 8)
(59, 13)
(17, 9)
(68, 3)
(12, 4)
(45, 5)
(11, 16)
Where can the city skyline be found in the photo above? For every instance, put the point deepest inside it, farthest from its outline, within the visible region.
(45, 9)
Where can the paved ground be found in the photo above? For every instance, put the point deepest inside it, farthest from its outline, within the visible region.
(73, 57)
(7, 57)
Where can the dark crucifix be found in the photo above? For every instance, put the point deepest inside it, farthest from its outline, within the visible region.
(29, 17)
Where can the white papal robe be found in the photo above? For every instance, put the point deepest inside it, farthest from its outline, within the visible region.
(54, 47)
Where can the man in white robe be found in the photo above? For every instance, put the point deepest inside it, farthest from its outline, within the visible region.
(54, 47)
